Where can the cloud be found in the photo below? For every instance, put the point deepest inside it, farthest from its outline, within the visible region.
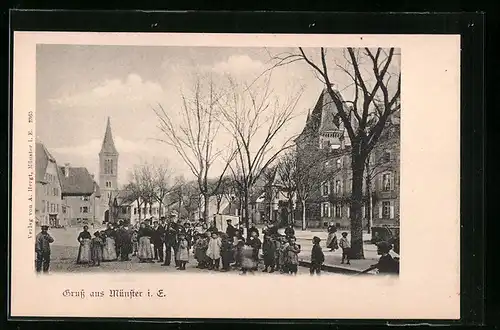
(238, 65)
(132, 89)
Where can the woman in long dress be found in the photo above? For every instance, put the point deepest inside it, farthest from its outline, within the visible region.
(109, 250)
(331, 241)
(145, 252)
(84, 251)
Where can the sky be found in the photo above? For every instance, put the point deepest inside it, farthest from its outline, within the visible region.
(79, 86)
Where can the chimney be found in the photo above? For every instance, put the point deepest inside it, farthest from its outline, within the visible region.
(66, 169)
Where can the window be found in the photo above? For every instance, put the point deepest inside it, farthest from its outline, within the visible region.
(108, 166)
(339, 163)
(386, 209)
(52, 208)
(48, 206)
(325, 209)
(43, 202)
(348, 211)
(387, 182)
(109, 195)
(57, 208)
(325, 188)
(64, 209)
(84, 209)
(338, 186)
(85, 198)
(338, 211)
(135, 210)
(124, 210)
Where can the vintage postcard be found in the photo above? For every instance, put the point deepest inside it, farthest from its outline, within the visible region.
(235, 176)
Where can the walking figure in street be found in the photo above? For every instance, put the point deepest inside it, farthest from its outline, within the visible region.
(331, 241)
(283, 255)
(109, 250)
(145, 252)
(42, 250)
(317, 257)
(84, 251)
(346, 248)
(200, 250)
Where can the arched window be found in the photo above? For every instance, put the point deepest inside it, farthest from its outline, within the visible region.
(110, 166)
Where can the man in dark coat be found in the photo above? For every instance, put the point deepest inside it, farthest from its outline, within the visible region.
(42, 250)
(124, 236)
(170, 241)
(158, 242)
(230, 230)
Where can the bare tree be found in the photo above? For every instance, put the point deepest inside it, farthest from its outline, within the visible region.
(254, 118)
(162, 185)
(194, 136)
(368, 71)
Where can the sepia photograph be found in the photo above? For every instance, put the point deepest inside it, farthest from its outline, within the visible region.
(161, 175)
(218, 159)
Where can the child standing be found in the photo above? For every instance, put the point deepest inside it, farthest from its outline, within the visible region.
(183, 251)
(213, 251)
(269, 251)
(255, 243)
(317, 257)
(238, 243)
(293, 251)
(277, 248)
(345, 245)
(226, 251)
(283, 255)
(200, 250)
(135, 241)
(96, 249)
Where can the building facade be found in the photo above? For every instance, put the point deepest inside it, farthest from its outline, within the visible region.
(323, 133)
(47, 189)
(108, 173)
(80, 195)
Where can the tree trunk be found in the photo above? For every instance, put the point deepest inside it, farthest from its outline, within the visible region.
(246, 210)
(206, 201)
(160, 209)
(369, 193)
(139, 210)
(304, 223)
(358, 167)
(290, 210)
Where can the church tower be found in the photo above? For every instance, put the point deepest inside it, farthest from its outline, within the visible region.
(108, 171)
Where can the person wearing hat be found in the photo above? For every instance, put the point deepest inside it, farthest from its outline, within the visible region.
(345, 245)
(317, 256)
(42, 249)
(84, 251)
(386, 264)
(230, 230)
(331, 241)
(171, 240)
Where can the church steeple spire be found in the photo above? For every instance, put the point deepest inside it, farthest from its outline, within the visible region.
(108, 145)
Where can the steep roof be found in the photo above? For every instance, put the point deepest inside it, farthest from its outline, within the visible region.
(78, 182)
(43, 157)
(323, 117)
(124, 197)
(108, 144)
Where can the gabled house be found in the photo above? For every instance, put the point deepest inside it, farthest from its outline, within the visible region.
(47, 189)
(80, 195)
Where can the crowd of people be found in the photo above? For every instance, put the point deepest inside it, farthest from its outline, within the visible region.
(164, 240)
(212, 249)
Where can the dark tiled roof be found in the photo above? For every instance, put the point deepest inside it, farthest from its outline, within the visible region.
(322, 118)
(108, 145)
(124, 197)
(77, 182)
(43, 157)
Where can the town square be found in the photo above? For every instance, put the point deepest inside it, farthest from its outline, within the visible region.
(265, 162)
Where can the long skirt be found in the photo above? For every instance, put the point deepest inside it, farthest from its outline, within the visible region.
(247, 260)
(331, 241)
(145, 251)
(109, 250)
(84, 252)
